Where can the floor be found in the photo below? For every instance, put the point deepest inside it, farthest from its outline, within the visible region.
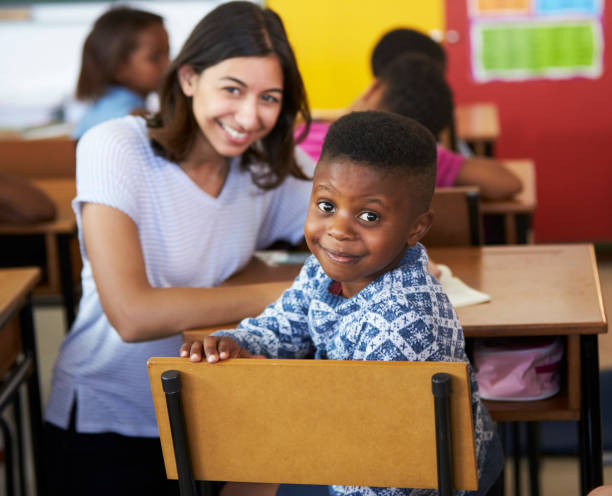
(559, 475)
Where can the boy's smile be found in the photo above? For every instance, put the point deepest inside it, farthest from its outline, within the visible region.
(361, 220)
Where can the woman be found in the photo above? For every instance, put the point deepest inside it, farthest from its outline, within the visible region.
(166, 210)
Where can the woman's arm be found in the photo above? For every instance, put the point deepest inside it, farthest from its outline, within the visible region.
(23, 203)
(140, 312)
(494, 180)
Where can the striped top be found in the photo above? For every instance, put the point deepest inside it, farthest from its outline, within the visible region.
(188, 239)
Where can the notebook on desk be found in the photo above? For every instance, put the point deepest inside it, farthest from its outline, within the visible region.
(459, 293)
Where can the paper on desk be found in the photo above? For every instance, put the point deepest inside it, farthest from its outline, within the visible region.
(459, 293)
(282, 257)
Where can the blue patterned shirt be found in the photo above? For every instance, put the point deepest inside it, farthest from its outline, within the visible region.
(403, 315)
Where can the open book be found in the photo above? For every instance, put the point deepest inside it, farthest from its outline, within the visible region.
(459, 293)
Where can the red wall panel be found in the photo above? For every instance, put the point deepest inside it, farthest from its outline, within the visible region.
(565, 126)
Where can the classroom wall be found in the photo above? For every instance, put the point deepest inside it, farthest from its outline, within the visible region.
(333, 40)
(564, 125)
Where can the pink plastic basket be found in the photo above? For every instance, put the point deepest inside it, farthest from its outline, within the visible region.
(518, 369)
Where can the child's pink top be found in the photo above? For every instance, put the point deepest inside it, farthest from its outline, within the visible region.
(448, 164)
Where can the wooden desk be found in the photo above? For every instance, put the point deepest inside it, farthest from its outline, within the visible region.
(39, 158)
(517, 211)
(478, 125)
(58, 236)
(536, 290)
(17, 335)
(542, 290)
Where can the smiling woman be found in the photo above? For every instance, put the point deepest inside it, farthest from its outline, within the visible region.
(235, 102)
(167, 209)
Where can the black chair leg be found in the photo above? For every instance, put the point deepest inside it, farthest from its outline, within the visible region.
(441, 388)
(171, 383)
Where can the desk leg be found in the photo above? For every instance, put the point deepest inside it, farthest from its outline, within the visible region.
(591, 449)
(523, 224)
(66, 277)
(34, 401)
(510, 229)
(533, 448)
(20, 440)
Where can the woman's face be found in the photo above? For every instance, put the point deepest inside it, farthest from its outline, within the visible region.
(235, 102)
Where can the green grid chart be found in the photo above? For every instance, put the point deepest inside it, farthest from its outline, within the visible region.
(559, 49)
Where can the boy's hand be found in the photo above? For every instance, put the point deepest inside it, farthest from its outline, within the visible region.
(215, 348)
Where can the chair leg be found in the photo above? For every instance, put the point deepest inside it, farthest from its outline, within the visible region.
(441, 388)
(171, 384)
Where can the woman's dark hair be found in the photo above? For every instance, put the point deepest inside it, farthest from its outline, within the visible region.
(405, 40)
(109, 44)
(234, 29)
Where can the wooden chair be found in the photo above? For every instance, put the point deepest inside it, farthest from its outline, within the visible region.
(315, 422)
(40, 158)
(456, 218)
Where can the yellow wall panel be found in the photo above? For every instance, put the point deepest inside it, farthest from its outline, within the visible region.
(333, 40)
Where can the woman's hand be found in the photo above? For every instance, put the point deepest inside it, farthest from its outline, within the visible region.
(215, 348)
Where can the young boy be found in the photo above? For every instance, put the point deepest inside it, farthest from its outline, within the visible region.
(366, 293)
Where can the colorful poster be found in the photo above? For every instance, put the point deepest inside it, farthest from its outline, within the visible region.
(547, 7)
(484, 7)
(553, 39)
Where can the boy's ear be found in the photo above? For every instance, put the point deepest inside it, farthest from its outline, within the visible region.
(420, 227)
(187, 79)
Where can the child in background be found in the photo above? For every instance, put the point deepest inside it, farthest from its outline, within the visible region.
(366, 293)
(123, 60)
(401, 41)
(414, 86)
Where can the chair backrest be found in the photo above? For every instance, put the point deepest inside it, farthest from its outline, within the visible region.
(456, 218)
(315, 421)
(39, 158)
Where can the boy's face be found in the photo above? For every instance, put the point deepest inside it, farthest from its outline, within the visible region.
(360, 221)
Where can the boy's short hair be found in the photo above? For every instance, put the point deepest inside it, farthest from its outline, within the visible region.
(414, 86)
(405, 40)
(388, 142)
